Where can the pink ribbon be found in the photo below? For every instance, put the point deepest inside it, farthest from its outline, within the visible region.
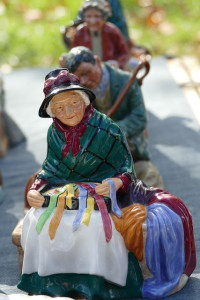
(103, 210)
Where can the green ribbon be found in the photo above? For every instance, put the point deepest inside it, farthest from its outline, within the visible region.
(46, 214)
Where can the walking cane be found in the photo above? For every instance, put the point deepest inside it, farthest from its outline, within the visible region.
(141, 65)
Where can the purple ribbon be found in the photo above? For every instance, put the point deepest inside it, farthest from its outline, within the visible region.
(112, 195)
(82, 206)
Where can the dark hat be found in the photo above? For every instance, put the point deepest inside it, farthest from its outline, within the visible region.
(58, 81)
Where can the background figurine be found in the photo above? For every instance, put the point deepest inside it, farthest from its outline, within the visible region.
(94, 229)
(102, 37)
(113, 13)
(107, 83)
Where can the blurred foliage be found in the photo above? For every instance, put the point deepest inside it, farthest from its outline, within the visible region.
(166, 26)
(30, 29)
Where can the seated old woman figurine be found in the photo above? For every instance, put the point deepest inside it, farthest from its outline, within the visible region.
(103, 38)
(94, 229)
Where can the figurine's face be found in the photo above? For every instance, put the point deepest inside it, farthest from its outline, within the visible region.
(89, 74)
(94, 20)
(68, 107)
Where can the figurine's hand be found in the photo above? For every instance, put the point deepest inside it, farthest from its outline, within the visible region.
(103, 189)
(35, 199)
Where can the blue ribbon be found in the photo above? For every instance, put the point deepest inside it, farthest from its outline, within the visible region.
(82, 206)
(112, 195)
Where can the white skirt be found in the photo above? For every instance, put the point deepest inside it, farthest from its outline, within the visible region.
(84, 251)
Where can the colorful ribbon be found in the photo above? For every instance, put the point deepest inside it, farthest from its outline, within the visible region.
(82, 207)
(88, 211)
(112, 195)
(103, 210)
(84, 211)
(70, 194)
(55, 221)
(46, 214)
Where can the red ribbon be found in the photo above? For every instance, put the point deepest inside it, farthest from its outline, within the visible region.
(102, 208)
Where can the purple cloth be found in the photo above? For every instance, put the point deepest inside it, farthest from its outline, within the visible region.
(165, 255)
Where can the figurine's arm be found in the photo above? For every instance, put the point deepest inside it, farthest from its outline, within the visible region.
(136, 120)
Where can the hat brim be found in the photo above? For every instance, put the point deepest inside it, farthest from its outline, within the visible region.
(47, 99)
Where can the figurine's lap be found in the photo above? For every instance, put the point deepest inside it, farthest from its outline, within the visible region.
(84, 251)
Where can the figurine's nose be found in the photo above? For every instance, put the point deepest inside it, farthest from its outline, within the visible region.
(68, 110)
(92, 20)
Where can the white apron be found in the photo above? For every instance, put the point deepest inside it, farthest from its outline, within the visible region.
(84, 251)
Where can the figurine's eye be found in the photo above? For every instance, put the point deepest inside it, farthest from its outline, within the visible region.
(59, 109)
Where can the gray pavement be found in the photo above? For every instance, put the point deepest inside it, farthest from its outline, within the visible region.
(174, 140)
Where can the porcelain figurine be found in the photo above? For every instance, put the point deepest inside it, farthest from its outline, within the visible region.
(107, 83)
(112, 10)
(94, 230)
(102, 37)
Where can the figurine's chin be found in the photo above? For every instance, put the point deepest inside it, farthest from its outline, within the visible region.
(70, 121)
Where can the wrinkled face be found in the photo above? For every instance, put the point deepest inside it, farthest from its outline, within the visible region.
(94, 19)
(89, 74)
(68, 107)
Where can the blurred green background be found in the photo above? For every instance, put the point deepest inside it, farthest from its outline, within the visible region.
(30, 29)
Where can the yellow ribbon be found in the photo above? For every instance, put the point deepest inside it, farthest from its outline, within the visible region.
(88, 211)
(70, 194)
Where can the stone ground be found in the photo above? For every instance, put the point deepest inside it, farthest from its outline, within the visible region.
(186, 72)
(171, 94)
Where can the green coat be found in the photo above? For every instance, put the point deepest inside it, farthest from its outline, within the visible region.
(103, 154)
(131, 116)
